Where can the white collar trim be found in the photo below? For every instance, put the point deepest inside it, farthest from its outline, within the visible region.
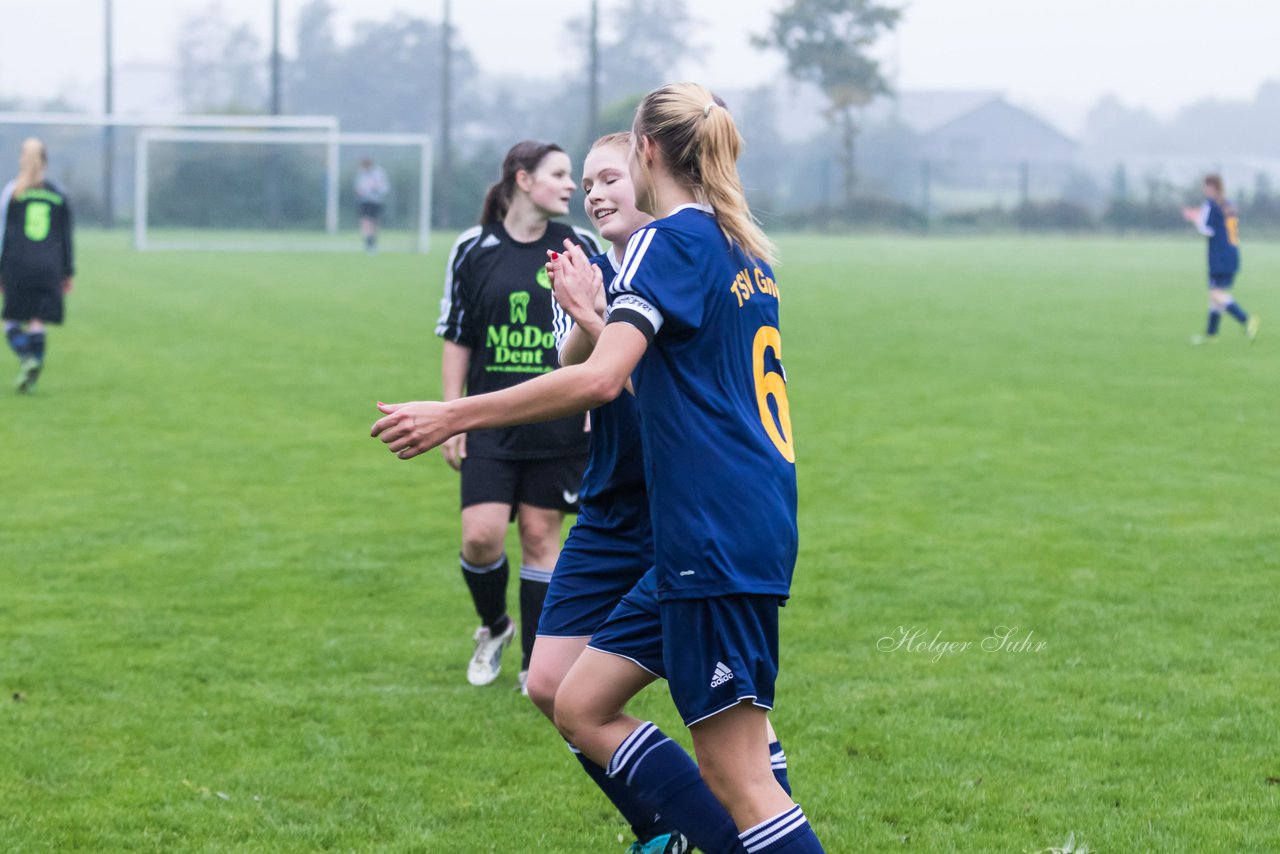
(704, 208)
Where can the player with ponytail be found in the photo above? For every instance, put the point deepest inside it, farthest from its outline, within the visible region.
(36, 261)
(497, 322)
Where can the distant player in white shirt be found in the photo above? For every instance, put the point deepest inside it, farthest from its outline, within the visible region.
(371, 190)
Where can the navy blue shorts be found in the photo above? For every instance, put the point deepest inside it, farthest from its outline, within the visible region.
(634, 629)
(598, 564)
(719, 652)
(1222, 280)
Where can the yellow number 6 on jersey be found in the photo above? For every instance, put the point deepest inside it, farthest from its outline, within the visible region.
(771, 384)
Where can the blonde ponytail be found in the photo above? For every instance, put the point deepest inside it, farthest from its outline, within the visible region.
(701, 145)
(31, 165)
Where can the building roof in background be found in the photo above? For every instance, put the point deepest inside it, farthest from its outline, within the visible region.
(924, 111)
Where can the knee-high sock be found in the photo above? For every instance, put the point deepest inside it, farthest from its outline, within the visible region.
(661, 773)
(786, 833)
(488, 586)
(1215, 318)
(18, 341)
(533, 592)
(35, 345)
(644, 818)
(1233, 308)
(778, 761)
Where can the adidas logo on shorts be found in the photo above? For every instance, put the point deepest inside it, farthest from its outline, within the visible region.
(723, 675)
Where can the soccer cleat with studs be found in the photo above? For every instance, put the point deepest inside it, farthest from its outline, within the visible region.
(28, 373)
(667, 843)
(1251, 328)
(486, 661)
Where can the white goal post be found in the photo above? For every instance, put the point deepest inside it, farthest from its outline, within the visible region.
(331, 140)
(91, 154)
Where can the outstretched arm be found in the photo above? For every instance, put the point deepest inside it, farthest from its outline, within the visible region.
(410, 429)
(454, 364)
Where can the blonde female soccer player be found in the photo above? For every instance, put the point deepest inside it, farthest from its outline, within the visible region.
(604, 573)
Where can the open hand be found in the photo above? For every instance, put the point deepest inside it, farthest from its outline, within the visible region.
(410, 429)
(577, 284)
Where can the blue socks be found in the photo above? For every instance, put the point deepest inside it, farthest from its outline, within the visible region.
(788, 833)
(1233, 308)
(661, 773)
(645, 821)
(778, 760)
(18, 341)
(35, 345)
(1215, 318)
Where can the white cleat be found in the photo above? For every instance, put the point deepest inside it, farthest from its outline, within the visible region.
(486, 661)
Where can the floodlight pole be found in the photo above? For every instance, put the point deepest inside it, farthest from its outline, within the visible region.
(109, 131)
(446, 118)
(275, 57)
(593, 84)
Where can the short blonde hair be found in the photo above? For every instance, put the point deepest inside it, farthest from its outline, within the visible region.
(621, 139)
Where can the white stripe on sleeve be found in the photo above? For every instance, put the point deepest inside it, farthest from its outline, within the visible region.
(448, 326)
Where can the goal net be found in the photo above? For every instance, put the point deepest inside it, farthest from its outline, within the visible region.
(277, 190)
(91, 155)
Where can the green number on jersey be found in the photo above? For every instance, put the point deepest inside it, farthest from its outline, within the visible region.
(39, 215)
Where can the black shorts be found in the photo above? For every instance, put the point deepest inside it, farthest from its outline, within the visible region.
(23, 302)
(552, 484)
(370, 210)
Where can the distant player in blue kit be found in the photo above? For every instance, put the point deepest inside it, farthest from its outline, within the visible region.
(1218, 220)
(693, 322)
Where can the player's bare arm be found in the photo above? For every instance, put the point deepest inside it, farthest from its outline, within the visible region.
(454, 363)
(410, 429)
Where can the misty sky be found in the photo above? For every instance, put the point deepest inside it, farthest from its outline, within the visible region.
(1056, 57)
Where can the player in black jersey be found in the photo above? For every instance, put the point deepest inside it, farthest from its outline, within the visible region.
(36, 267)
(497, 323)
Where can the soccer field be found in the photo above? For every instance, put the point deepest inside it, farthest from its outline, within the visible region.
(230, 621)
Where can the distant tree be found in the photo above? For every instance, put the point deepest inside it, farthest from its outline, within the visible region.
(827, 42)
(641, 42)
(221, 65)
(763, 158)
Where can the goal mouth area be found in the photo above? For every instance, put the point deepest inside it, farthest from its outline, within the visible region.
(293, 190)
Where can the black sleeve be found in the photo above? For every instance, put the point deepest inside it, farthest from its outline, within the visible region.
(68, 253)
(452, 323)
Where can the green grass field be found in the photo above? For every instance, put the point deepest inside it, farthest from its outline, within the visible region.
(230, 621)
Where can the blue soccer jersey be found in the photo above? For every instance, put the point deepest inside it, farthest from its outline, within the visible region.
(614, 460)
(715, 422)
(1221, 224)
